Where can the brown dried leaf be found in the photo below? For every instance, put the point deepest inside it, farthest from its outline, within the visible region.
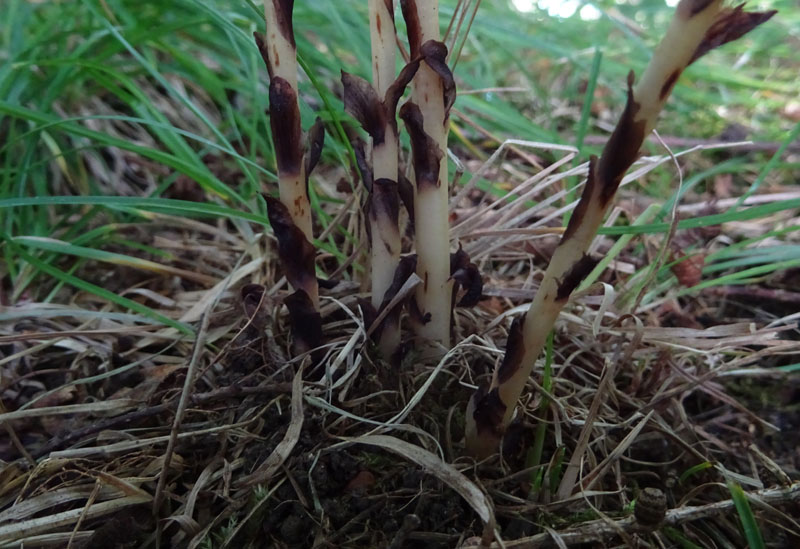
(284, 121)
(315, 141)
(435, 55)
(414, 31)
(361, 101)
(395, 91)
(287, 444)
(515, 350)
(305, 320)
(384, 201)
(467, 276)
(295, 251)
(425, 152)
(731, 24)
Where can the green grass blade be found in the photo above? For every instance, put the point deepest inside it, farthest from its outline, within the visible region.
(749, 523)
(103, 293)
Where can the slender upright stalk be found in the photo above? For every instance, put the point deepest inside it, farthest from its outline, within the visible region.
(383, 214)
(290, 216)
(375, 108)
(698, 26)
(433, 95)
(280, 55)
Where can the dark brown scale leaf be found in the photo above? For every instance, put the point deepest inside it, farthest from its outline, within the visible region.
(488, 411)
(416, 314)
(251, 295)
(470, 279)
(287, 134)
(283, 13)
(459, 259)
(466, 275)
(369, 314)
(425, 152)
(361, 101)
(515, 350)
(327, 283)
(384, 201)
(411, 16)
(435, 55)
(621, 149)
(406, 267)
(262, 49)
(395, 91)
(306, 322)
(666, 88)
(575, 276)
(315, 140)
(294, 250)
(406, 191)
(731, 24)
(651, 507)
(583, 204)
(364, 167)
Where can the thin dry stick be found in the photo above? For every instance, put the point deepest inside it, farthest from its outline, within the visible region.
(183, 403)
(427, 121)
(698, 27)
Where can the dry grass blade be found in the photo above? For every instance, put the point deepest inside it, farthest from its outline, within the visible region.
(117, 405)
(145, 359)
(39, 525)
(599, 530)
(438, 468)
(278, 456)
(188, 385)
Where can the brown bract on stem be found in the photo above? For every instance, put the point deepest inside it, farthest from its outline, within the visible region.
(427, 121)
(697, 27)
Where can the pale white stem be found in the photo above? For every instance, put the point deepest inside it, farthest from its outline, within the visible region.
(385, 233)
(431, 212)
(385, 245)
(282, 54)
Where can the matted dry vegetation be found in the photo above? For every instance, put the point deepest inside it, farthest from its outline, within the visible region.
(124, 434)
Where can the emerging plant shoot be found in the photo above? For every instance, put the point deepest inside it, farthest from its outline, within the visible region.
(697, 27)
(290, 216)
(427, 121)
(375, 108)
